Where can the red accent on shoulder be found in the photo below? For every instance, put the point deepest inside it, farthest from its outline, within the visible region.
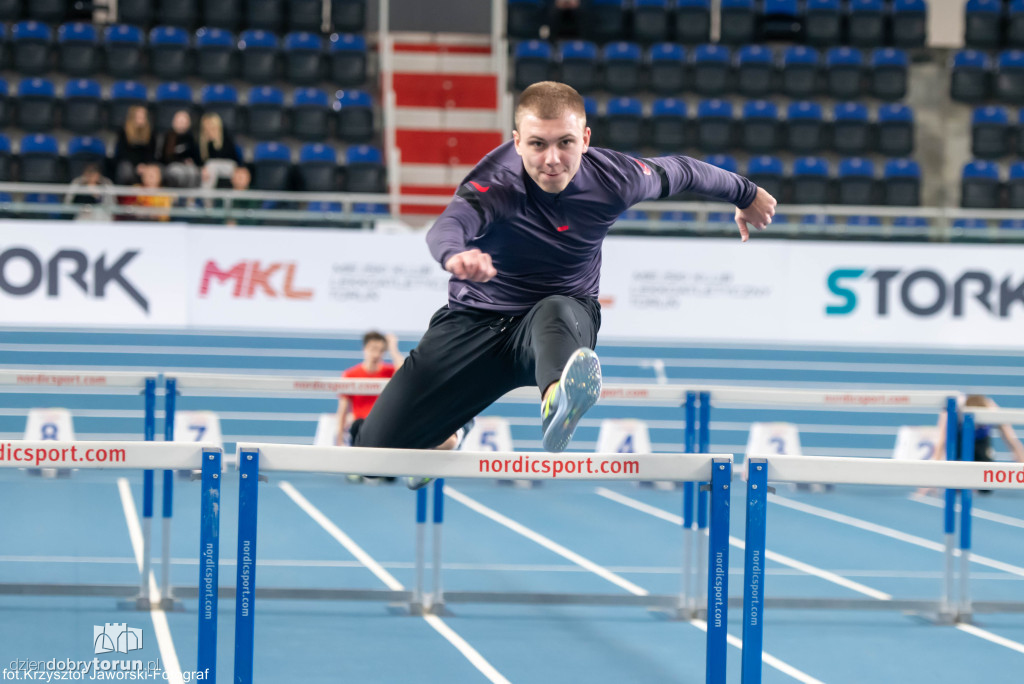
(562, 229)
(647, 169)
(480, 188)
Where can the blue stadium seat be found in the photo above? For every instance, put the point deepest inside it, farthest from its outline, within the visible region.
(318, 168)
(990, 132)
(855, 181)
(818, 220)
(865, 23)
(714, 125)
(910, 222)
(36, 105)
(532, 63)
(823, 23)
(183, 13)
(693, 21)
(83, 106)
(651, 21)
(979, 185)
(348, 16)
(122, 45)
(863, 220)
(759, 127)
(5, 38)
(909, 23)
(578, 59)
(170, 99)
(971, 223)
(624, 118)
(364, 169)
(5, 104)
(1015, 186)
(225, 14)
(972, 72)
(738, 22)
(780, 20)
(621, 67)
(222, 100)
(347, 59)
(851, 130)
(39, 159)
(711, 69)
(983, 23)
(78, 49)
(901, 183)
(767, 172)
(805, 128)
(1011, 224)
(895, 130)
(634, 215)
(755, 71)
(668, 68)
(668, 125)
(258, 56)
(810, 181)
(678, 216)
(1009, 76)
(889, 73)
(6, 174)
(271, 166)
(800, 72)
(305, 15)
(85, 150)
(602, 20)
(723, 161)
(215, 54)
(311, 114)
(265, 113)
(369, 208)
(355, 116)
(595, 120)
(303, 58)
(266, 15)
(1015, 24)
(844, 71)
(30, 47)
(169, 52)
(524, 18)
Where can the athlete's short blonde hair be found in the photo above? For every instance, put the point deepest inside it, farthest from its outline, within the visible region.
(549, 100)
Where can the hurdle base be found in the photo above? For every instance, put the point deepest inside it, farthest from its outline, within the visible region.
(519, 484)
(676, 614)
(440, 609)
(170, 605)
(411, 609)
(139, 603)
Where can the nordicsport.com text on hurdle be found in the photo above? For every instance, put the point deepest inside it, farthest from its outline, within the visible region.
(523, 464)
(37, 456)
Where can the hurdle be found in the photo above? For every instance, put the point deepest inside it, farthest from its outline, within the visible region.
(764, 469)
(255, 459)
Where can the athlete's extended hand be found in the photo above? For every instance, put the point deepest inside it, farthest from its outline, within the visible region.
(471, 265)
(758, 214)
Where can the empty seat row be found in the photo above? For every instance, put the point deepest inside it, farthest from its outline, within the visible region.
(760, 127)
(976, 77)
(994, 23)
(982, 187)
(715, 70)
(994, 135)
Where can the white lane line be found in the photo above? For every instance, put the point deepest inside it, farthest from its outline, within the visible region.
(976, 512)
(439, 625)
(739, 544)
(163, 631)
(989, 636)
(475, 505)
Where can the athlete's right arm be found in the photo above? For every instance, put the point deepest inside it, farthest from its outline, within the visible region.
(464, 219)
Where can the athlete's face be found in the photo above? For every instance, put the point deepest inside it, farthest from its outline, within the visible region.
(551, 148)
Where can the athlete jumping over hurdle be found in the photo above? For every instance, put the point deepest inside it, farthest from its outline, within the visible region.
(522, 239)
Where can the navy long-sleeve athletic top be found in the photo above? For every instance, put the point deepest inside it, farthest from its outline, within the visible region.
(544, 244)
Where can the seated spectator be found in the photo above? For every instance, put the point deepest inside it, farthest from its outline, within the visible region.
(240, 180)
(152, 177)
(135, 146)
(217, 150)
(97, 204)
(179, 153)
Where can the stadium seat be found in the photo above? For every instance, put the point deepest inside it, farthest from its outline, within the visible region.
(348, 16)
(678, 216)
(895, 130)
(10, 10)
(910, 222)
(47, 11)
(303, 58)
(6, 174)
(714, 125)
(5, 104)
(305, 15)
(82, 111)
(767, 172)
(30, 47)
(865, 23)
(170, 99)
(122, 45)
(136, 12)
(979, 185)
(759, 127)
(578, 59)
(990, 132)
(901, 183)
(1015, 186)
(83, 151)
(1015, 24)
(215, 54)
(169, 52)
(693, 21)
(1011, 224)
(123, 95)
(810, 181)
(37, 105)
(723, 161)
(668, 68)
(805, 128)
(972, 72)
(909, 23)
(844, 70)
(1019, 137)
(318, 168)
(971, 223)
(651, 21)
(780, 20)
(364, 169)
(823, 23)
(346, 55)
(621, 67)
(863, 220)
(602, 20)
(182, 13)
(738, 22)
(634, 215)
(77, 49)
(223, 14)
(983, 23)
(355, 116)
(801, 67)
(311, 114)
(39, 159)
(532, 63)
(711, 70)
(221, 100)
(889, 73)
(1009, 76)
(267, 15)
(595, 121)
(851, 130)
(265, 113)
(271, 166)
(755, 71)
(624, 123)
(855, 181)
(524, 18)
(668, 125)
(258, 55)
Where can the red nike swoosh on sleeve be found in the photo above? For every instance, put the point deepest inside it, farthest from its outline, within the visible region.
(480, 188)
(562, 229)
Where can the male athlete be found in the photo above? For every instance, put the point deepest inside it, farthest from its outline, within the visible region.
(522, 239)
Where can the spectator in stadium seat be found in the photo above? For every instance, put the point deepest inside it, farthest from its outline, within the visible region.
(179, 153)
(135, 146)
(151, 178)
(240, 180)
(217, 150)
(97, 206)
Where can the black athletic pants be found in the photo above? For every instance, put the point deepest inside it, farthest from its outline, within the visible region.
(469, 358)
